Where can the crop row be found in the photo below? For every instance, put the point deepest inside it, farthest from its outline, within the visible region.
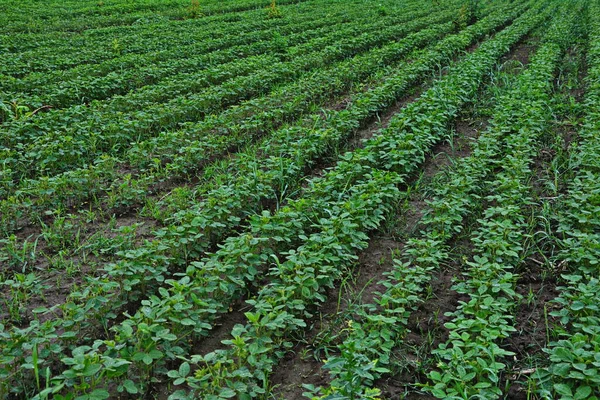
(139, 50)
(148, 24)
(223, 205)
(180, 151)
(61, 41)
(288, 136)
(573, 370)
(145, 27)
(104, 17)
(121, 74)
(78, 314)
(14, 22)
(365, 353)
(377, 327)
(231, 200)
(74, 137)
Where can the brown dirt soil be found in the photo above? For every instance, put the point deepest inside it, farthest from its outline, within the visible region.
(538, 290)
(55, 282)
(382, 120)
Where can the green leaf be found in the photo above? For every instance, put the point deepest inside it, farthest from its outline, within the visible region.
(563, 389)
(184, 369)
(583, 392)
(155, 354)
(563, 354)
(178, 381)
(577, 305)
(130, 386)
(91, 370)
(468, 377)
(226, 393)
(561, 369)
(187, 322)
(435, 376)
(99, 394)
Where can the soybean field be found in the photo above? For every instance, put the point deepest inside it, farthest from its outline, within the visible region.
(299, 199)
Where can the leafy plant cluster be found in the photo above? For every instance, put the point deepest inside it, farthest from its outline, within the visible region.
(273, 11)
(195, 9)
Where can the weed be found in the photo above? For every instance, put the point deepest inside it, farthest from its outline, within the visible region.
(273, 11)
(194, 10)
